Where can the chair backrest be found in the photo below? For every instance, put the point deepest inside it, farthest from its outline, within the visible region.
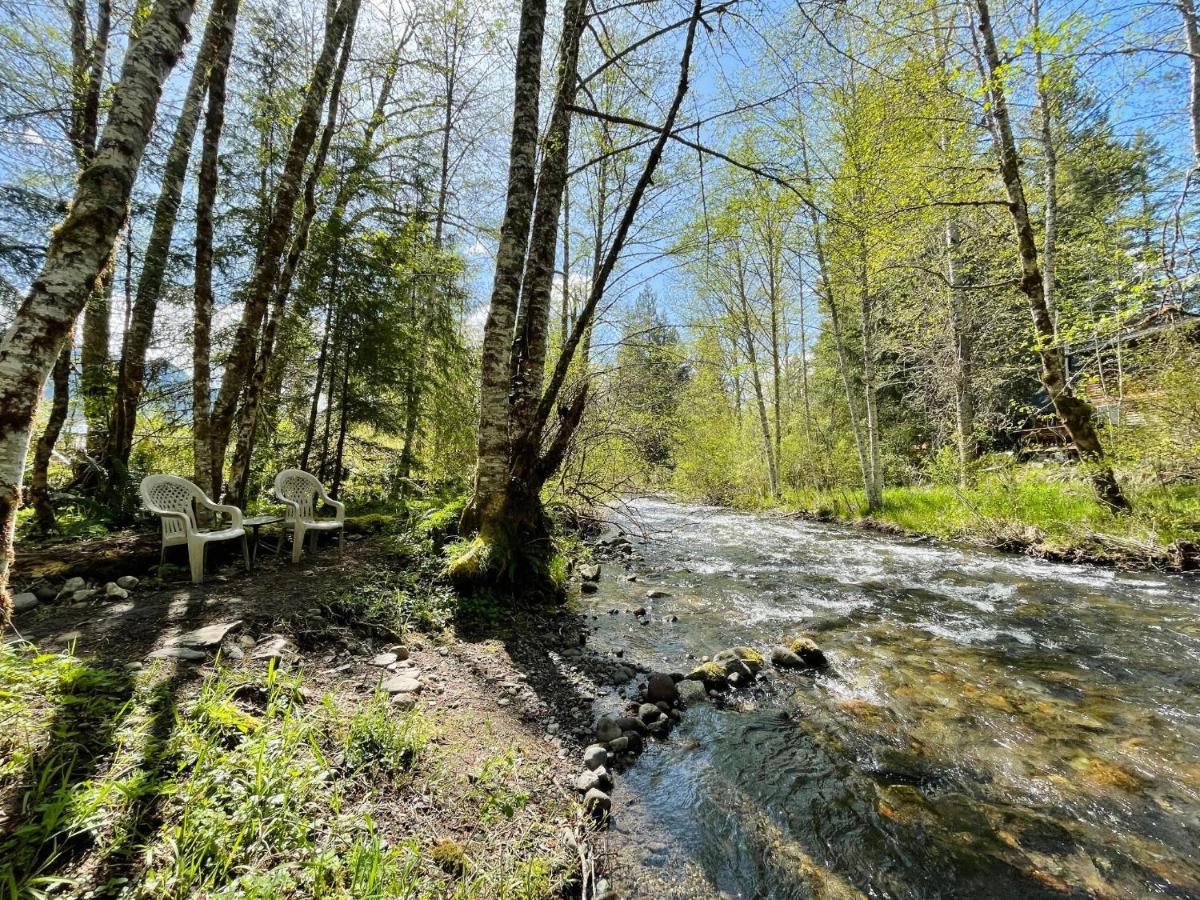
(300, 488)
(170, 493)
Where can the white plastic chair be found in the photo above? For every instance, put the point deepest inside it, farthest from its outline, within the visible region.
(174, 499)
(299, 492)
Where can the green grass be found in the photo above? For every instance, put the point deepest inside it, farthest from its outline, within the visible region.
(117, 787)
(1047, 505)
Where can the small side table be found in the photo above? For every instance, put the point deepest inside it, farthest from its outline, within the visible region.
(254, 523)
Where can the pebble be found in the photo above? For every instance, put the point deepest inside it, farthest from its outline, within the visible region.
(230, 650)
(274, 646)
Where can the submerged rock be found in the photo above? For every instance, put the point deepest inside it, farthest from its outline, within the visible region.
(588, 587)
(692, 692)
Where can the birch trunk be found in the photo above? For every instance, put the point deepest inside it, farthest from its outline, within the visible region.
(95, 375)
(131, 370)
(275, 240)
(744, 322)
(1075, 413)
(79, 249)
(1050, 182)
(206, 198)
(870, 387)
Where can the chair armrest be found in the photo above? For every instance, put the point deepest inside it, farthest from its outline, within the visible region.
(339, 508)
(235, 514)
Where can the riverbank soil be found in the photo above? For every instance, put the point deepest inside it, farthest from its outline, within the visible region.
(312, 730)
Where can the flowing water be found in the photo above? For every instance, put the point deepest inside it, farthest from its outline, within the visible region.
(990, 725)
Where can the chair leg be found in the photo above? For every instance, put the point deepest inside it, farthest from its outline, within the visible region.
(297, 543)
(246, 552)
(196, 558)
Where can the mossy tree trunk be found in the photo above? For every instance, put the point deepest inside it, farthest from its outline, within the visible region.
(80, 247)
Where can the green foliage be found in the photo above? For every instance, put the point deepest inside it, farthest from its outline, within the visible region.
(380, 742)
(398, 600)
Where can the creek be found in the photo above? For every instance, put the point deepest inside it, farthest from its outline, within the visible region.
(990, 725)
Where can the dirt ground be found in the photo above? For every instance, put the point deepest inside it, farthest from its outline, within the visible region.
(496, 687)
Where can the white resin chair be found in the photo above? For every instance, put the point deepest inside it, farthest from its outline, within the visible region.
(299, 492)
(174, 500)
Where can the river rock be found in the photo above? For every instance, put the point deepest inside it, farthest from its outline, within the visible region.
(631, 723)
(208, 636)
(383, 660)
(656, 594)
(648, 713)
(783, 658)
(634, 741)
(403, 683)
(661, 688)
(711, 674)
(593, 778)
(618, 745)
(24, 601)
(73, 584)
(691, 692)
(597, 803)
(273, 646)
(809, 652)
(83, 595)
(230, 650)
(45, 593)
(128, 582)
(588, 587)
(607, 730)
(595, 757)
(589, 572)
(114, 591)
(750, 659)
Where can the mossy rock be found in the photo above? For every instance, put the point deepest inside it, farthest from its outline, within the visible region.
(748, 656)
(711, 675)
(450, 857)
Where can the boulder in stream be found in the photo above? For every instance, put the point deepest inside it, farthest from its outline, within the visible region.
(661, 688)
(809, 652)
(711, 674)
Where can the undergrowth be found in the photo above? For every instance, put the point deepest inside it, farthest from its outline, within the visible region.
(116, 785)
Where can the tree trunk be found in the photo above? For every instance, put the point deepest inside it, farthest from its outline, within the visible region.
(870, 388)
(39, 487)
(247, 418)
(131, 371)
(95, 372)
(275, 240)
(804, 353)
(343, 424)
(1050, 152)
(960, 336)
(206, 198)
(79, 249)
(315, 407)
(744, 323)
(492, 467)
(1075, 413)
